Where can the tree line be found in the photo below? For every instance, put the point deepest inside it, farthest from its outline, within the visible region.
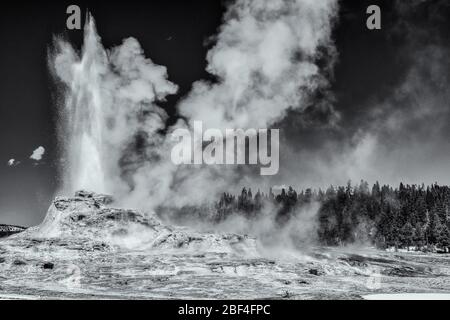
(408, 216)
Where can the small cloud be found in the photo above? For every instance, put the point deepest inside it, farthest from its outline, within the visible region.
(13, 163)
(38, 153)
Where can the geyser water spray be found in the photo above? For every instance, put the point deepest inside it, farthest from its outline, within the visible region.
(106, 93)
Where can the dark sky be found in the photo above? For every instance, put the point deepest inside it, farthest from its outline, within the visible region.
(371, 69)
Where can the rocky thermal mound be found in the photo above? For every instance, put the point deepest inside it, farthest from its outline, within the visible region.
(89, 219)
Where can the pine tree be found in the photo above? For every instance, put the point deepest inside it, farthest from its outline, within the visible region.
(407, 235)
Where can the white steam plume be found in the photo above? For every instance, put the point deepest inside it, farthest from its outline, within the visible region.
(265, 61)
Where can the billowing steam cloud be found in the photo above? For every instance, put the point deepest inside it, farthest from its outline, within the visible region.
(265, 60)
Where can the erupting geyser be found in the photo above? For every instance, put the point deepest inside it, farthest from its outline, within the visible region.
(85, 110)
(107, 93)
